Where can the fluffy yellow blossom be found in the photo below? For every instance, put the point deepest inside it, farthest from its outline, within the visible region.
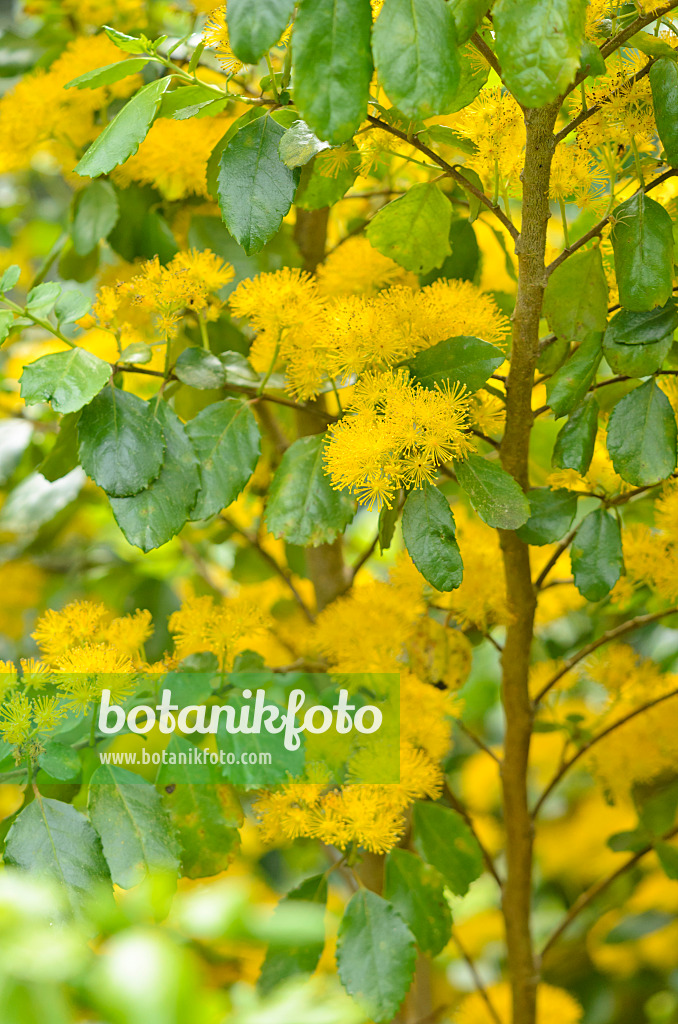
(554, 1006)
(357, 268)
(57, 631)
(129, 633)
(106, 12)
(173, 157)
(224, 629)
(494, 123)
(215, 35)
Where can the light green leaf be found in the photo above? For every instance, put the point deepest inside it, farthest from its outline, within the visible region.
(652, 46)
(664, 83)
(641, 436)
(135, 829)
(416, 890)
(494, 494)
(64, 455)
(225, 437)
(136, 352)
(415, 52)
(551, 515)
(109, 75)
(596, 555)
(255, 28)
(375, 955)
(71, 306)
(575, 300)
(41, 300)
(60, 761)
(255, 188)
(68, 380)
(96, 214)
(472, 77)
(414, 230)
(462, 360)
(129, 44)
(152, 517)
(538, 46)
(642, 239)
(121, 442)
(332, 65)
(9, 278)
(200, 369)
(577, 438)
(443, 839)
(467, 14)
(319, 188)
(283, 763)
(303, 507)
(299, 145)
(36, 500)
(591, 60)
(568, 385)
(6, 322)
(283, 963)
(122, 137)
(429, 535)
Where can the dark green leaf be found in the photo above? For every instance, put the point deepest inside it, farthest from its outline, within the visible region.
(591, 60)
(303, 507)
(283, 963)
(656, 802)
(577, 438)
(575, 300)
(464, 263)
(68, 380)
(256, 189)
(214, 162)
(636, 360)
(642, 239)
(668, 858)
(199, 369)
(468, 361)
(429, 535)
(299, 145)
(444, 840)
(414, 230)
(135, 828)
(415, 52)
(255, 28)
(635, 927)
(64, 455)
(494, 494)
(467, 14)
(538, 46)
(322, 183)
(60, 761)
(121, 442)
(122, 137)
(109, 75)
(153, 516)
(96, 214)
(375, 955)
(388, 517)
(551, 515)
(596, 555)
(568, 385)
(641, 436)
(332, 65)
(664, 82)
(416, 890)
(225, 437)
(627, 328)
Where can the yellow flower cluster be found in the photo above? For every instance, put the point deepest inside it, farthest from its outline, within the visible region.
(494, 123)
(222, 628)
(173, 157)
(357, 268)
(215, 35)
(554, 1006)
(81, 624)
(651, 555)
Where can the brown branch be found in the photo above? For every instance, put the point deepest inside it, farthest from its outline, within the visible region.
(462, 812)
(485, 51)
(482, 991)
(476, 739)
(366, 555)
(562, 547)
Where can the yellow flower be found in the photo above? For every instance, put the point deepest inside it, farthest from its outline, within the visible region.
(357, 268)
(215, 35)
(554, 1006)
(57, 631)
(224, 629)
(173, 157)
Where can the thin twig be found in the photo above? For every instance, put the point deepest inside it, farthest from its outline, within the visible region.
(485, 51)
(562, 547)
(477, 740)
(366, 555)
(461, 810)
(482, 991)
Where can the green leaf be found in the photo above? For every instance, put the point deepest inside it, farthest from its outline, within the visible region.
(318, 187)
(642, 239)
(41, 300)
(9, 278)
(64, 455)
(283, 764)
(96, 214)
(281, 964)
(375, 955)
(494, 494)
(255, 188)
(429, 535)
(152, 517)
(463, 360)
(568, 385)
(199, 369)
(214, 162)
(388, 517)
(467, 14)
(464, 263)
(635, 927)
(551, 515)
(121, 442)
(474, 204)
(636, 360)
(641, 436)
(303, 507)
(575, 300)
(472, 77)
(443, 839)
(656, 802)
(664, 83)
(591, 60)
(414, 230)
(109, 75)
(60, 761)
(417, 891)
(51, 838)
(652, 46)
(191, 100)
(6, 322)
(122, 137)
(299, 145)
(68, 380)
(129, 44)
(225, 437)
(596, 555)
(577, 438)
(538, 46)
(415, 52)
(134, 827)
(71, 306)
(255, 28)
(668, 858)
(628, 328)
(136, 352)
(332, 65)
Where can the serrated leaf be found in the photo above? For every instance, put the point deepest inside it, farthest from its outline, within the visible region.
(128, 44)
(199, 369)
(414, 230)
(108, 75)
(332, 65)
(577, 438)
(122, 137)
(303, 507)
(299, 145)
(641, 435)
(121, 442)
(642, 239)
(152, 517)
(255, 28)
(214, 162)
(443, 839)
(134, 827)
(538, 46)
(41, 299)
(551, 515)
(575, 300)
(416, 890)
(375, 955)
(9, 278)
(664, 83)
(69, 380)
(280, 964)
(429, 535)
(568, 385)
(71, 306)
(463, 360)
(96, 214)
(255, 187)
(494, 494)
(415, 52)
(225, 438)
(596, 555)
(51, 838)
